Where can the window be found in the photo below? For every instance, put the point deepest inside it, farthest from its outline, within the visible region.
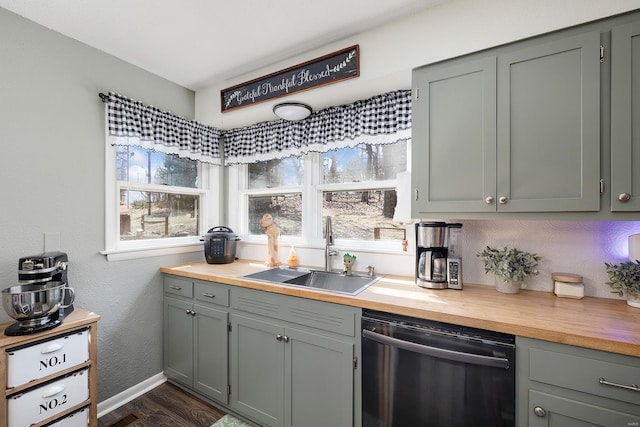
(275, 186)
(358, 191)
(356, 186)
(156, 200)
(285, 208)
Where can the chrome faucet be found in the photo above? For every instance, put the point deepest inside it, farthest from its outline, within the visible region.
(328, 251)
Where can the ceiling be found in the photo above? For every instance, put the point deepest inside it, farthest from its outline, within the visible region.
(196, 43)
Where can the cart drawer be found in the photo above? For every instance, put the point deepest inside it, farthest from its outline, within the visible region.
(25, 364)
(79, 418)
(40, 403)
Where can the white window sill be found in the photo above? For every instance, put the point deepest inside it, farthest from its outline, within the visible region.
(134, 253)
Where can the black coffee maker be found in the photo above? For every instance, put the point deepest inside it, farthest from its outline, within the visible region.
(431, 255)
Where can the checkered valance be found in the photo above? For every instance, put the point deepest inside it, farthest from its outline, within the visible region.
(134, 123)
(382, 119)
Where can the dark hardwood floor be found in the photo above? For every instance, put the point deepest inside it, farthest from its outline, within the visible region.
(165, 405)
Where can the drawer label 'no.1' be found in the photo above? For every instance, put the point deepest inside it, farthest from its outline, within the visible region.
(53, 361)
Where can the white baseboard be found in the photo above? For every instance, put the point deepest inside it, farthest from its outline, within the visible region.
(129, 394)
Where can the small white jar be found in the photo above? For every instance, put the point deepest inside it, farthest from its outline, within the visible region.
(568, 285)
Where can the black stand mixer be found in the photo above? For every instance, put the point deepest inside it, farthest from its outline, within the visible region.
(42, 299)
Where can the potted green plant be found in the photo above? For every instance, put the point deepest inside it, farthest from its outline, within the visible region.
(625, 278)
(510, 267)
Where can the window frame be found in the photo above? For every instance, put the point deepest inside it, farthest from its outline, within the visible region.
(312, 189)
(117, 250)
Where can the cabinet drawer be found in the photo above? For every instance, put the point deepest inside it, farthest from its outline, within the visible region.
(584, 374)
(25, 364)
(46, 401)
(316, 314)
(212, 293)
(79, 418)
(176, 286)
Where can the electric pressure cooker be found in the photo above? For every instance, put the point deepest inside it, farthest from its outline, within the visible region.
(220, 245)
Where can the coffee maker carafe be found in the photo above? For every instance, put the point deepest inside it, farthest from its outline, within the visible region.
(431, 254)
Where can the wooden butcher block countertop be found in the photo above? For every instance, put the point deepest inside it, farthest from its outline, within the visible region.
(597, 323)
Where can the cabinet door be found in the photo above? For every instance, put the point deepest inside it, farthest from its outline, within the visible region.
(454, 137)
(549, 126)
(625, 118)
(211, 352)
(178, 341)
(562, 412)
(257, 369)
(318, 380)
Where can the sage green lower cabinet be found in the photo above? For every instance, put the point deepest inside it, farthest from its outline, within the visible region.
(293, 360)
(566, 386)
(278, 360)
(257, 373)
(319, 380)
(196, 337)
(282, 376)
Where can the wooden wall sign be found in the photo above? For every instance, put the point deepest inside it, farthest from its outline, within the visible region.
(331, 68)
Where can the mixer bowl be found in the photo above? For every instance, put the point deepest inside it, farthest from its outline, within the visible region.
(33, 301)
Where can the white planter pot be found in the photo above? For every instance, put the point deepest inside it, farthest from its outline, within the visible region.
(633, 299)
(508, 286)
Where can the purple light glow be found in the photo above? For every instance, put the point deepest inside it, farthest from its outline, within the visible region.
(615, 239)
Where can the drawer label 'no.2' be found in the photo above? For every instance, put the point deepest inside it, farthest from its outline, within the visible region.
(54, 403)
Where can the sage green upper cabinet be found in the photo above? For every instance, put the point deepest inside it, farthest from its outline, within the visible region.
(454, 136)
(513, 129)
(549, 126)
(625, 117)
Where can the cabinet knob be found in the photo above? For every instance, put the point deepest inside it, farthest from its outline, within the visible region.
(502, 200)
(488, 200)
(624, 197)
(539, 411)
(282, 338)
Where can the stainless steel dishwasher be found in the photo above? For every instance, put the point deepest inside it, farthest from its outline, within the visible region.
(423, 373)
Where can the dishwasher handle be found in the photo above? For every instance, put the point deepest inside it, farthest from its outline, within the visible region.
(475, 359)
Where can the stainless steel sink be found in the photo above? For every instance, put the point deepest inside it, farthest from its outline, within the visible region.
(322, 280)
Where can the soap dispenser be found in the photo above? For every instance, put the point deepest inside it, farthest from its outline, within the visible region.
(293, 258)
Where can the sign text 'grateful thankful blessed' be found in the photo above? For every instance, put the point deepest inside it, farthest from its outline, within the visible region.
(331, 68)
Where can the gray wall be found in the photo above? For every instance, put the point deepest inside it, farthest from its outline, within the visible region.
(52, 173)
